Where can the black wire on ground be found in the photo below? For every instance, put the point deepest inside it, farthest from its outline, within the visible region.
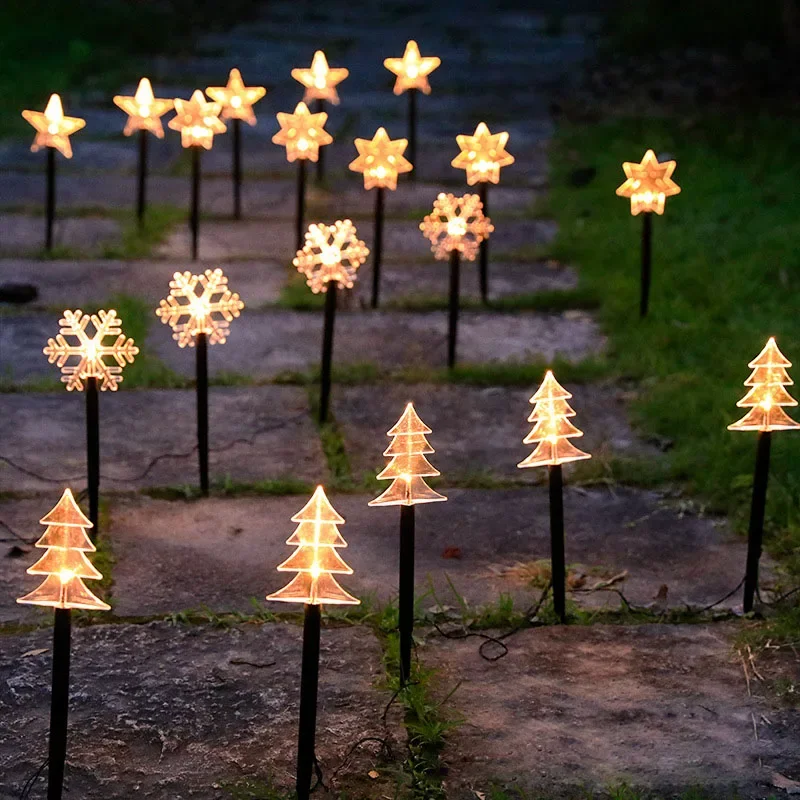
(26, 789)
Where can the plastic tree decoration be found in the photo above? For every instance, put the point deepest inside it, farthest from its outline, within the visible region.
(552, 430)
(648, 184)
(767, 396)
(81, 356)
(320, 80)
(456, 223)
(302, 133)
(65, 563)
(236, 99)
(197, 120)
(381, 159)
(482, 155)
(316, 560)
(53, 129)
(412, 69)
(408, 466)
(199, 304)
(144, 110)
(331, 253)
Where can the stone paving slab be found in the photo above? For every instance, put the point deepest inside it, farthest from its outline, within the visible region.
(163, 710)
(257, 433)
(21, 234)
(571, 709)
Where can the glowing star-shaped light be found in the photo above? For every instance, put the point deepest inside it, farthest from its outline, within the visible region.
(381, 160)
(482, 155)
(331, 253)
(88, 354)
(237, 99)
(197, 120)
(144, 110)
(53, 129)
(552, 430)
(456, 223)
(65, 562)
(648, 184)
(412, 69)
(320, 80)
(316, 560)
(767, 395)
(302, 133)
(199, 304)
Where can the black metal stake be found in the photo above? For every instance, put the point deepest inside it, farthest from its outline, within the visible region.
(406, 601)
(309, 681)
(377, 247)
(755, 533)
(484, 251)
(647, 238)
(452, 327)
(320, 108)
(194, 220)
(93, 452)
(237, 168)
(201, 343)
(59, 703)
(327, 352)
(412, 131)
(301, 203)
(141, 186)
(51, 197)
(557, 559)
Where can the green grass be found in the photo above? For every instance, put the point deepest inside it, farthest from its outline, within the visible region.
(231, 488)
(140, 242)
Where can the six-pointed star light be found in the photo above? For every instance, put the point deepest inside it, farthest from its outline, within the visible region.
(144, 110)
(456, 223)
(197, 120)
(320, 80)
(648, 184)
(302, 133)
(412, 69)
(53, 129)
(381, 160)
(237, 99)
(331, 253)
(482, 155)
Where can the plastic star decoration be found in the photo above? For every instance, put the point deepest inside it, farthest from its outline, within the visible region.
(197, 120)
(482, 155)
(456, 223)
(93, 353)
(199, 304)
(320, 80)
(53, 129)
(144, 110)
(302, 133)
(381, 160)
(237, 99)
(412, 69)
(648, 184)
(331, 253)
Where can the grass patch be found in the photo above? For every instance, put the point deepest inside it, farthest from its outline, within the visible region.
(228, 487)
(296, 295)
(139, 242)
(333, 448)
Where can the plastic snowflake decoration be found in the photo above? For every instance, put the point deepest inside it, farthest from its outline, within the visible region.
(456, 223)
(199, 304)
(331, 253)
(96, 356)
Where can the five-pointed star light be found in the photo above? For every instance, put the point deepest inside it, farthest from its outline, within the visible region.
(320, 80)
(197, 120)
(456, 223)
(482, 155)
(87, 353)
(412, 69)
(199, 304)
(144, 110)
(302, 133)
(331, 253)
(381, 160)
(648, 183)
(237, 99)
(53, 129)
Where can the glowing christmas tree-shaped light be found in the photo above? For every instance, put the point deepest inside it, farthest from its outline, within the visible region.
(144, 110)
(53, 129)
(320, 80)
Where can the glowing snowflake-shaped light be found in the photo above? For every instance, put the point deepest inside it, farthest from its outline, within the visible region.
(482, 155)
(648, 184)
(456, 223)
(199, 304)
(144, 110)
(96, 357)
(320, 80)
(331, 253)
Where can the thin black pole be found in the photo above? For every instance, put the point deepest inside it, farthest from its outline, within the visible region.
(142, 181)
(755, 533)
(51, 197)
(557, 559)
(327, 352)
(406, 601)
(484, 251)
(59, 703)
(452, 328)
(412, 132)
(647, 239)
(93, 452)
(320, 108)
(237, 169)
(201, 343)
(301, 202)
(309, 681)
(377, 247)
(195, 213)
